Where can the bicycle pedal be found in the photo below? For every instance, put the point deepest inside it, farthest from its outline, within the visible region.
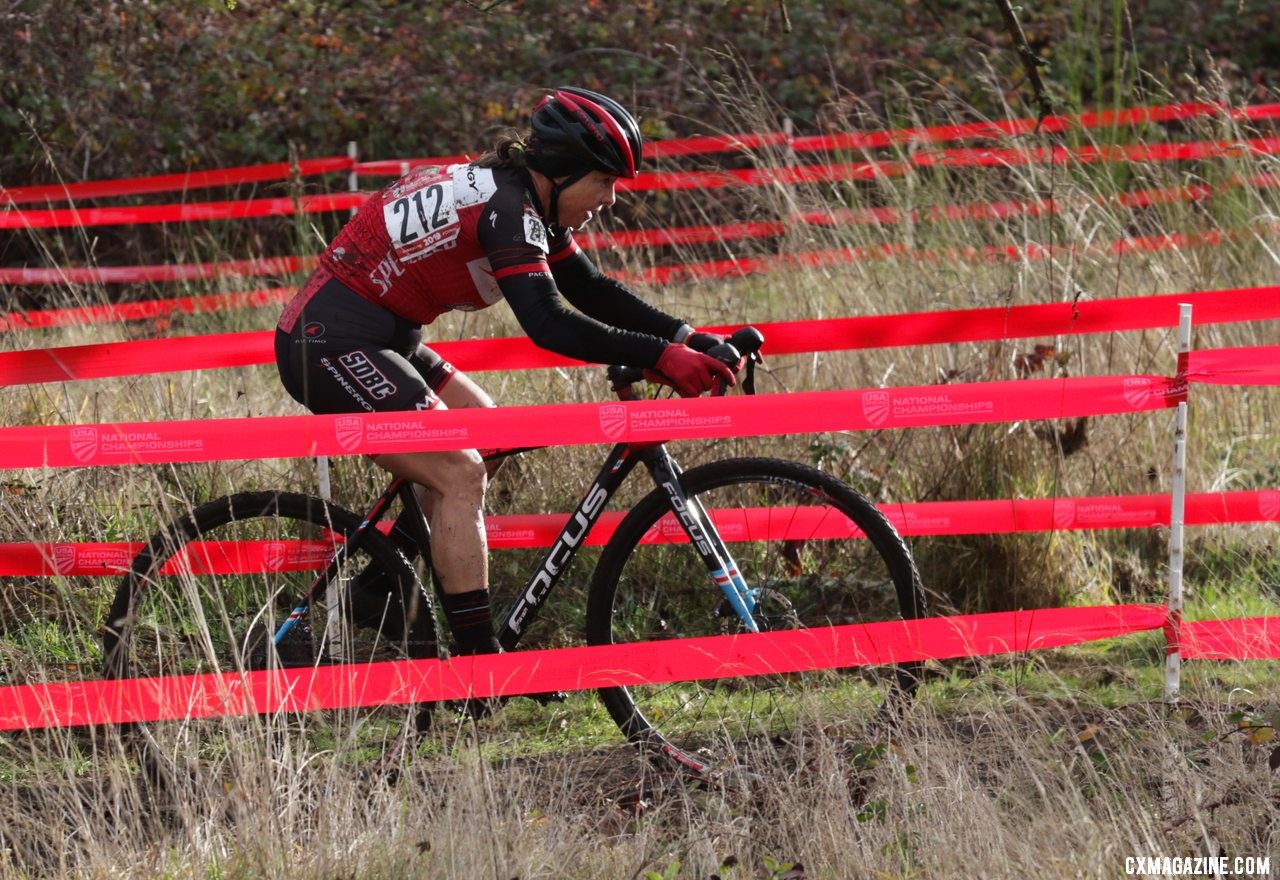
(479, 708)
(546, 698)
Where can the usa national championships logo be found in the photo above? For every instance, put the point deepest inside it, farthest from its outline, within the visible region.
(71, 559)
(350, 432)
(1141, 391)
(613, 420)
(84, 444)
(1269, 504)
(274, 555)
(875, 407)
(89, 445)
(1064, 513)
(1137, 391)
(64, 558)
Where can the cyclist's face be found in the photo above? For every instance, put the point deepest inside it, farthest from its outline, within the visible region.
(586, 198)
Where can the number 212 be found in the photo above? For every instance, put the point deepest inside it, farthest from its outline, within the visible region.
(401, 206)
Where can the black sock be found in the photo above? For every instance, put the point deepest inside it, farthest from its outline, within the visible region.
(471, 620)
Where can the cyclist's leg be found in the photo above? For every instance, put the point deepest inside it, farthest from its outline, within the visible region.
(455, 388)
(451, 494)
(457, 391)
(455, 482)
(382, 380)
(332, 372)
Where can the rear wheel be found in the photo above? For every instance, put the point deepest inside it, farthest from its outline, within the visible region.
(790, 529)
(208, 593)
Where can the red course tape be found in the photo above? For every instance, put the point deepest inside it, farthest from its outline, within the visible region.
(671, 180)
(653, 237)
(62, 704)
(216, 351)
(522, 672)
(44, 446)
(1000, 128)
(540, 530)
(1251, 638)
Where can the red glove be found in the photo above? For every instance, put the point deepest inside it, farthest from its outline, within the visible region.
(689, 372)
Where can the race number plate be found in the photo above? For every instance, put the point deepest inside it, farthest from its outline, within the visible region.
(423, 219)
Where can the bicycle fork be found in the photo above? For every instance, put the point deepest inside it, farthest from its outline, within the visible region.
(702, 533)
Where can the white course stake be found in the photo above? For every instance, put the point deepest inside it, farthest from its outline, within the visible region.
(322, 462)
(1177, 517)
(336, 632)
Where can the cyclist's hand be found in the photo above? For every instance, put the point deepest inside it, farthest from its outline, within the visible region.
(714, 344)
(689, 372)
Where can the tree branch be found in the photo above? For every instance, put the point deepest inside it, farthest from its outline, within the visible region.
(1031, 62)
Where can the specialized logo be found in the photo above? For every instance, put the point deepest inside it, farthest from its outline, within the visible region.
(613, 420)
(875, 407)
(350, 432)
(360, 368)
(385, 274)
(84, 444)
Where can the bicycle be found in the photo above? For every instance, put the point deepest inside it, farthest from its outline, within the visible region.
(740, 545)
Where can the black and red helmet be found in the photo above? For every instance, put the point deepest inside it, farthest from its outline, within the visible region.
(575, 130)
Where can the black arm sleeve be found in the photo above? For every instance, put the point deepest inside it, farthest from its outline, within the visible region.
(609, 300)
(552, 325)
(632, 334)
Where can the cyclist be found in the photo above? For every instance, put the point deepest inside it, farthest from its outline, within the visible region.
(464, 237)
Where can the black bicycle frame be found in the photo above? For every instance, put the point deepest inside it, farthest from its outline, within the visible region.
(401, 488)
(694, 520)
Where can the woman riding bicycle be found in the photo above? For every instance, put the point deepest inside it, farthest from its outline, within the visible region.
(464, 237)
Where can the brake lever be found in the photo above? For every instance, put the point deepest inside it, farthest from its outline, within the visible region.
(745, 366)
(749, 380)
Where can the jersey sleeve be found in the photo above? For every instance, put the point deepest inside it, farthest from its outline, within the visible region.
(517, 246)
(606, 299)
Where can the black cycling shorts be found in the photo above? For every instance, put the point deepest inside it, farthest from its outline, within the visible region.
(341, 353)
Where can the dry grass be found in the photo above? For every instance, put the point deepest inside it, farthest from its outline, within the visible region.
(998, 783)
(1007, 769)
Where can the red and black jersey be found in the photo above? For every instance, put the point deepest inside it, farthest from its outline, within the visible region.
(464, 237)
(439, 239)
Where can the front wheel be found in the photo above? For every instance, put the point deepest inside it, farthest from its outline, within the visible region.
(788, 527)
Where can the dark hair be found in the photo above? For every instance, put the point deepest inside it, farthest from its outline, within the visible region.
(508, 151)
